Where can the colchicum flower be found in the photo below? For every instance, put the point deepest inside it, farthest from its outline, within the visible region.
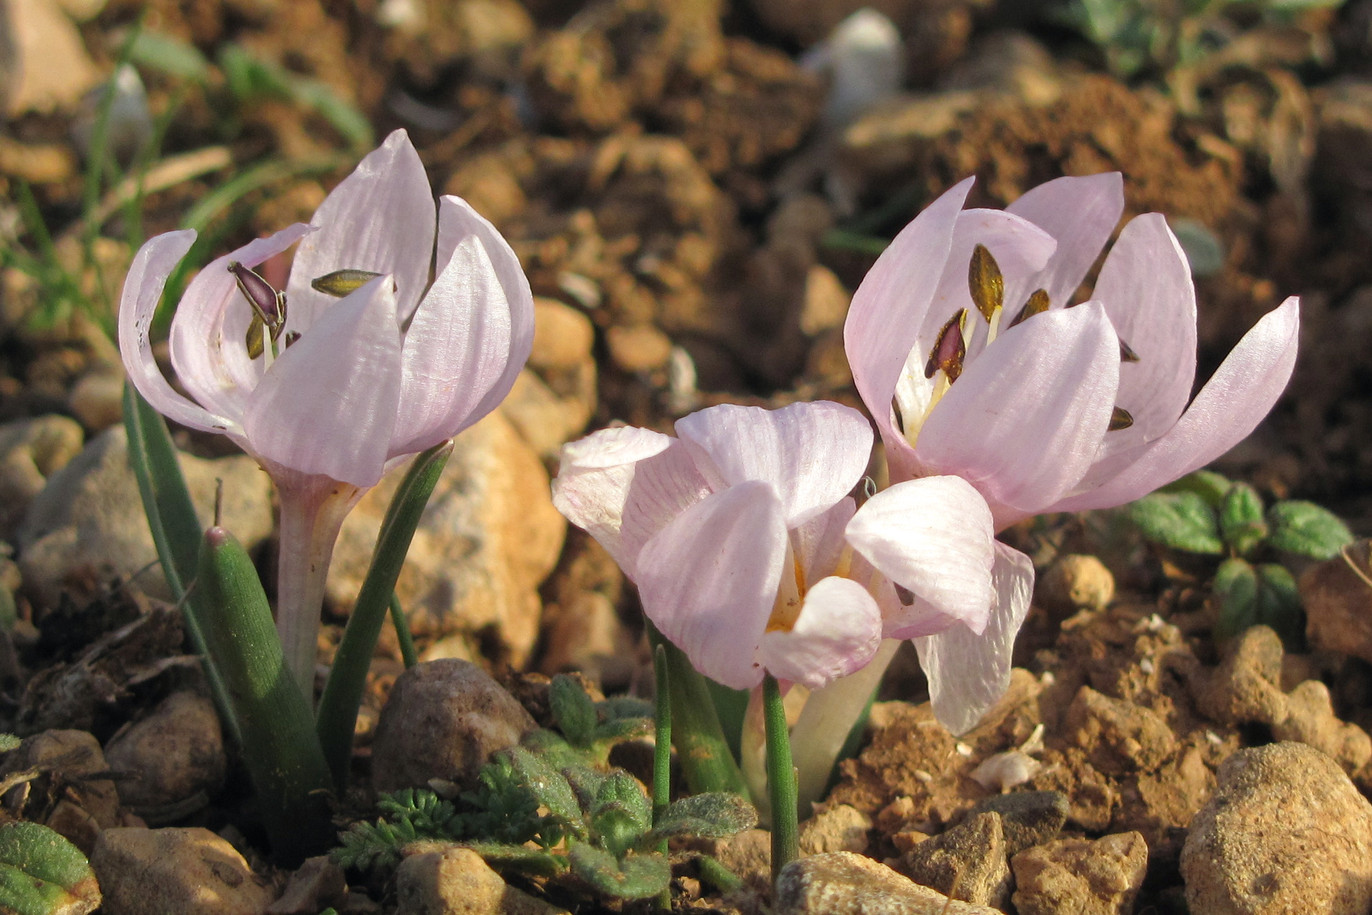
(359, 362)
(968, 351)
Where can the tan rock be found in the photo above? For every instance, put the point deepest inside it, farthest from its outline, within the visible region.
(563, 336)
(843, 883)
(488, 537)
(966, 862)
(172, 761)
(1337, 595)
(1118, 736)
(1286, 831)
(641, 348)
(826, 302)
(54, 70)
(443, 719)
(155, 871)
(73, 760)
(456, 881)
(1076, 582)
(31, 450)
(1083, 876)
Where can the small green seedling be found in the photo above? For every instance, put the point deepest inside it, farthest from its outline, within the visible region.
(1209, 514)
(552, 808)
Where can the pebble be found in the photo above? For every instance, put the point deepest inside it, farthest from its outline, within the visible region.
(183, 869)
(1118, 736)
(1027, 818)
(967, 861)
(563, 336)
(1076, 582)
(53, 68)
(487, 539)
(89, 517)
(97, 399)
(1337, 595)
(548, 416)
(73, 760)
(171, 762)
(1082, 876)
(443, 719)
(640, 348)
(31, 450)
(456, 881)
(1285, 831)
(316, 885)
(844, 883)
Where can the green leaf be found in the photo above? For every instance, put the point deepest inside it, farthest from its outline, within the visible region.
(337, 716)
(622, 812)
(41, 873)
(637, 876)
(169, 55)
(1306, 529)
(533, 861)
(1182, 521)
(1236, 591)
(573, 710)
(549, 786)
(1279, 604)
(1241, 520)
(1207, 484)
(712, 815)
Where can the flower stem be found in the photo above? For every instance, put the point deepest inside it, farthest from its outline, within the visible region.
(781, 779)
(662, 755)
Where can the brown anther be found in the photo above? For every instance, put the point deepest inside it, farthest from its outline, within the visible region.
(1036, 305)
(949, 349)
(1120, 418)
(268, 307)
(985, 282)
(1127, 354)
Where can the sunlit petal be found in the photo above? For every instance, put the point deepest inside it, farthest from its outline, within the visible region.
(837, 632)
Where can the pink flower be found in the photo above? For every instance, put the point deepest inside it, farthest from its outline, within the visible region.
(349, 383)
(750, 555)
(1041, 406)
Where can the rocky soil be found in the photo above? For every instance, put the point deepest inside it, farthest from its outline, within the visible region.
(686, 204)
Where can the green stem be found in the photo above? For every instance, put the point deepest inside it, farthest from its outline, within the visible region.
(402, 633)
(781, 779)
(662, 755)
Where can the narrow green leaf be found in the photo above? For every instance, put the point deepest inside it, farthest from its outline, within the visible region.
(280, 748)
(1307, 529)
(1241, 519)
(573, 710)
(1182, 521)
(342, 695)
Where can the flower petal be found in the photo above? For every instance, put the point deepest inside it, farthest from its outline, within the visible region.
(143, 288)
(328, 403)
(470, 336)
(1226, 410)
(891, 303)
(932, 536)
(1024, 420)
(709, 579)
(380, 218)
(623, 485)
(967, 672)
(837, 633)
(208, 350)
(1081, 213)
(811, 454)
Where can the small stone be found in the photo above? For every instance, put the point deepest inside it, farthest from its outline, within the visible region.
(1337, 597)
(1285, 831)
(89, 517)
(545, 418)
(54, 69)
(1310, 719)
(966, 862)
(642, 348)
(837, 828)
(316, 885)
(1246, 687)
(1076, 582)
(844, 883)
(1027, 818)
(1082, 876)
(175, 870)
(456, 881)
(171, 762)
(826, 302)
(97, 400)
(443, 719)
(31, 450)
(1118, 736)
(73, 760)
(563, 336)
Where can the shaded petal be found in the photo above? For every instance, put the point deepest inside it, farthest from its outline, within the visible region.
(819, 543)
(1024, 421)
(624, 485)
(1081, 213)
(934, 537)
(380, 218)
(1226, 410)
(967, 672)
(328, 403)
(709, 579)
(836, 634)
(891, 303)
(143, 287)
(469, 337)
(207, 332)
(811, 454)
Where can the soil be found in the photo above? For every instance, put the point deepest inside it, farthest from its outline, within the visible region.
(653, 165)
